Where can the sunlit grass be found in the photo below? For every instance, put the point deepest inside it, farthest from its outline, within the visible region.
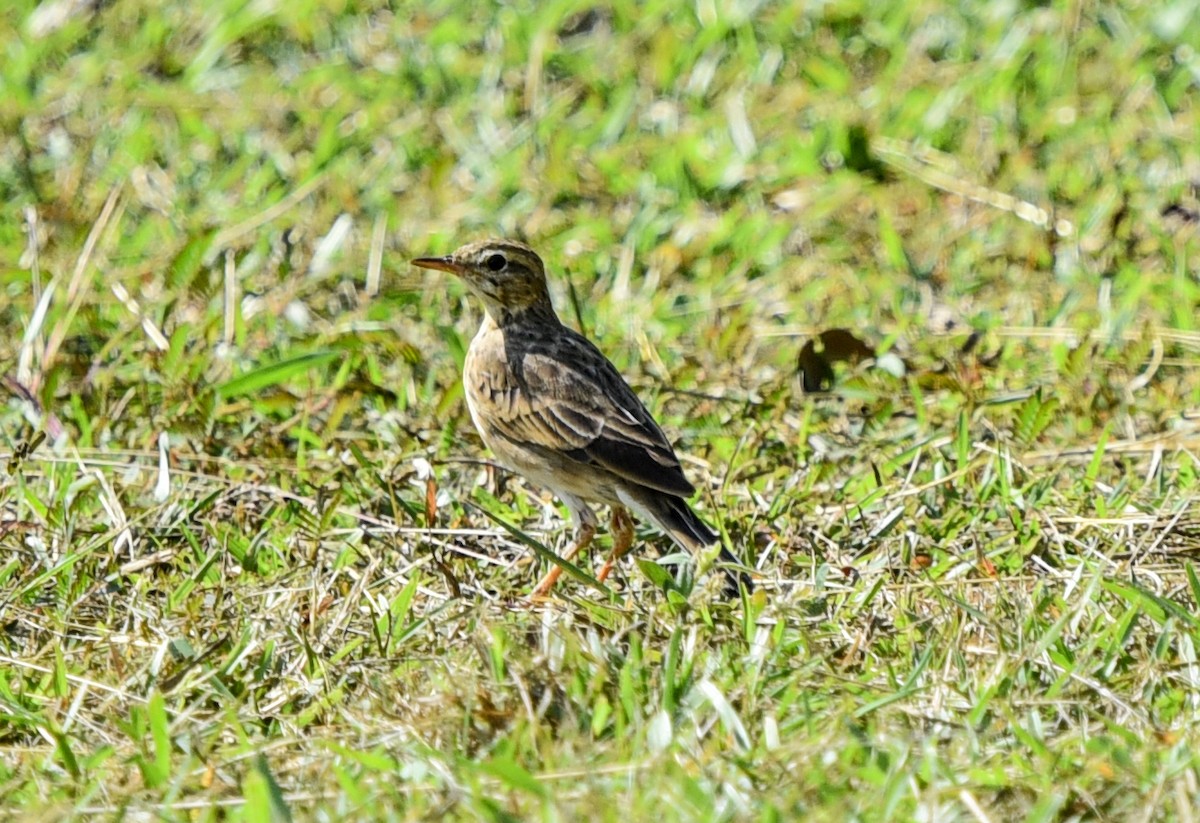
(975, 553)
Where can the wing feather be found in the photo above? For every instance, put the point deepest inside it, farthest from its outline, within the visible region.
(570, 400)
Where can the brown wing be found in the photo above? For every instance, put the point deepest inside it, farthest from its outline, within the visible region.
(570, 400)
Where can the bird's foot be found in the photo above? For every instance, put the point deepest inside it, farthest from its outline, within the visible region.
(622, 532)
(583, 537)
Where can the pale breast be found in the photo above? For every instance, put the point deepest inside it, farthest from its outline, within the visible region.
(495, 397)
(489, 387)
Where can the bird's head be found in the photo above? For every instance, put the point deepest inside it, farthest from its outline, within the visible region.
(508, 276)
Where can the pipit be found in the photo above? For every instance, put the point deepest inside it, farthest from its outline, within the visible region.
(555, 410)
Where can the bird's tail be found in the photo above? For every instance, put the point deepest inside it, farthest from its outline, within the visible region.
(674, 516)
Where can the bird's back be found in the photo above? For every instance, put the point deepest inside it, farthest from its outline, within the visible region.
(545, 390)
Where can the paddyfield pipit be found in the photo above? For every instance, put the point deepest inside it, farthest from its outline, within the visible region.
(555, 410)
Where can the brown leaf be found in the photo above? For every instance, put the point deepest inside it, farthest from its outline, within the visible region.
(816, 365)
(448, 574)
(431, 491)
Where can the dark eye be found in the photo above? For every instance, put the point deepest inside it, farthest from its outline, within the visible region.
(496, 262)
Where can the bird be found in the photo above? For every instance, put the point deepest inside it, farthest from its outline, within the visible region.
(555, 410)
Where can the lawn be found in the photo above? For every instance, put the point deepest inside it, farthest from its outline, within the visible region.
(914, 290)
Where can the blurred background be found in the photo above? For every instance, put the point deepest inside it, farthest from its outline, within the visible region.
(727, 176)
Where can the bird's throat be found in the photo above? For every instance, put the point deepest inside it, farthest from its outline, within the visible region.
(507, 316)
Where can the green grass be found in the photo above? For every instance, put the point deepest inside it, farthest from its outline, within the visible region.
(978, 595)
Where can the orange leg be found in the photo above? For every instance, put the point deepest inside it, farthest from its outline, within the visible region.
(622, 532)
(583, 536)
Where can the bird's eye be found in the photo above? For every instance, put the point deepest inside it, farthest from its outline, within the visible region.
(496, 262)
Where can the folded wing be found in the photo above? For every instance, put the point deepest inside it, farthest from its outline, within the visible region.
(584, 410)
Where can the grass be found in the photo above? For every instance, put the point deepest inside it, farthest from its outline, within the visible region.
(256, 563)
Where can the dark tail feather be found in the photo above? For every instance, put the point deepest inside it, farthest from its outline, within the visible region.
(675, 517)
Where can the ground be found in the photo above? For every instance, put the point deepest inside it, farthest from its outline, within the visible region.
(913, 288)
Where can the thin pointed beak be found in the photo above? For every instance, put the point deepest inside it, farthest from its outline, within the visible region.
(440, 263)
